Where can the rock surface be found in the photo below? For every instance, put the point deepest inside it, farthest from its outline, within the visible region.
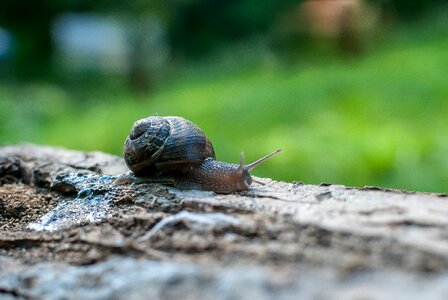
(68, 232)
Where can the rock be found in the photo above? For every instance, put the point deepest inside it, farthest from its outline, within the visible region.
(69, 232)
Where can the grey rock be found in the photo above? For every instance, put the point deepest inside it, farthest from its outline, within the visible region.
(277, 241)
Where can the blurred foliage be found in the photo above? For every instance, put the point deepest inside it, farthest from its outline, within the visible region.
(377, 120)
(201, 25)
(195, 27)
(409, 8)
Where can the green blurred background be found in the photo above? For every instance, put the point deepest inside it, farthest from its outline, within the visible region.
(355, 92)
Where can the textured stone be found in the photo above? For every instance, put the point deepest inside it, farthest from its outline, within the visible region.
(94, 239)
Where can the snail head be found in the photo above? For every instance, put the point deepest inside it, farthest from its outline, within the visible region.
(244, 170)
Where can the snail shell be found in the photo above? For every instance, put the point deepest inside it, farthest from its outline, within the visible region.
(162, 144)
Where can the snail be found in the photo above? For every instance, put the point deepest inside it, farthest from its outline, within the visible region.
(174, 151)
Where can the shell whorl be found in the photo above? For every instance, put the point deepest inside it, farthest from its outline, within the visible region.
(159, 143)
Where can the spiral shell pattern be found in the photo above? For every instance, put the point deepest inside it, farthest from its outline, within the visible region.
(158, 144)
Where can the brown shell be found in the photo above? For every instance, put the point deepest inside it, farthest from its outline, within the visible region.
(162, 144)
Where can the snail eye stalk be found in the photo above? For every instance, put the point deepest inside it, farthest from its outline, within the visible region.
(256, 163)
(241, 166)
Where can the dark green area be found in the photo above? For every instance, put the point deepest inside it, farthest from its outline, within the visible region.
(195, 27)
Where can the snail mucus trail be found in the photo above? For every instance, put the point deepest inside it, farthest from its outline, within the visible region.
(174, 151)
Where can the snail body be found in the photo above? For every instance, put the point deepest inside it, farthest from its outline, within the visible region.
(173, 150)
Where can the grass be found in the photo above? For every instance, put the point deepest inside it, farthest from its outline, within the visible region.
(379, 120)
